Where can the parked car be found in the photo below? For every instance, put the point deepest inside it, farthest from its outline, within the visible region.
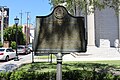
(21, 49)
(30, 47)
(7, 53)
(2, 70)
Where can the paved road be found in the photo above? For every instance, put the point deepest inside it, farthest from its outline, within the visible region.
(11, 65)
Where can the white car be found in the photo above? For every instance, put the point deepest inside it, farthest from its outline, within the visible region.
(30, 46)
(7, 53)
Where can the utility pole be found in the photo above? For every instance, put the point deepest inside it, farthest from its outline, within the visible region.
(27, 28)
(21, 16)
(2, 22)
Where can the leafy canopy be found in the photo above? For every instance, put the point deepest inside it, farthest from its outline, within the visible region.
(10, 34)
(74, 5)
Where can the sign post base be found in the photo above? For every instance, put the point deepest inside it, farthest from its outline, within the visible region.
(59, 66)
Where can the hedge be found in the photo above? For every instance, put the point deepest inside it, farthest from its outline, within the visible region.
(73, 71)
(66, 75)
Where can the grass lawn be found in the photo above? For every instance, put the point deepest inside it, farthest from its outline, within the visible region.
(81, 70)
(80, 65)
(46, 56)
(109, 62)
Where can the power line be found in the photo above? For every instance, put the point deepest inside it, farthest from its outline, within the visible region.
(21, 16)
(27, 28)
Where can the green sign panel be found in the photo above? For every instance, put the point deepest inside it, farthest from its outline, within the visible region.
(59, 32)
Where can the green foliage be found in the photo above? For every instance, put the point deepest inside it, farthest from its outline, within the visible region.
(74, 6)
(46, 56)
(13, 45)
(10, 34)
(1, 45)
(70, 71)
(5, 75)
(23, 75)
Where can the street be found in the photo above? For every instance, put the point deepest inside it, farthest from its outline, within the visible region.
(11, 64)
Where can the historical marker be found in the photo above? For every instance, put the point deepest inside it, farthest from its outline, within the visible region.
(59, 32)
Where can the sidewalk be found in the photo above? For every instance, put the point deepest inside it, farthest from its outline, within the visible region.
(94, 54)
(12, 65)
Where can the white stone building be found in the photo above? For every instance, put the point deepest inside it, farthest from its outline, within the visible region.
(29, 33)
(103, 28)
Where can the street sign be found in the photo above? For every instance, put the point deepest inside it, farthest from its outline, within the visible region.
(59, 32)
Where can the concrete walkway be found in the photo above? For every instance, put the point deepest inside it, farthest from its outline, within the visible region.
(94, 54)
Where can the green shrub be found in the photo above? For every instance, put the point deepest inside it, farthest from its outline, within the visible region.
(66, 75)
(23, 75)
(70, 71)
(1, 45)
(13, 45)
(5, 75)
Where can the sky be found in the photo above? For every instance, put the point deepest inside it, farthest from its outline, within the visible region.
(35, 7)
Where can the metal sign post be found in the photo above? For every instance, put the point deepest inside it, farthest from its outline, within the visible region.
(59, 66)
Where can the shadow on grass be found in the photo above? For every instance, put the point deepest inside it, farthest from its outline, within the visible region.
(97, 67)
(74, 71)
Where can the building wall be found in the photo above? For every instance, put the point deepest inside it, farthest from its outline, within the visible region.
(106, 28)
(6, 17)
(31, 34)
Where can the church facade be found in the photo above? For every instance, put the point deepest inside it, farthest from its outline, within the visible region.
(103, 28)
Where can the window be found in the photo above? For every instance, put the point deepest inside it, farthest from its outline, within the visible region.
(8, 50)
(1, 50)
(11, 50)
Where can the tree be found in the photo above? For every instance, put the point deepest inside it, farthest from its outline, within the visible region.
(10, 32)
(79, 6)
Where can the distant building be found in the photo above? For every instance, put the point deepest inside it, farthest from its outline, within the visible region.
(29, 32)
(6, 17)
(103, 28)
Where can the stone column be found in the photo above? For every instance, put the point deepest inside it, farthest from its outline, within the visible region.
(91, 29)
